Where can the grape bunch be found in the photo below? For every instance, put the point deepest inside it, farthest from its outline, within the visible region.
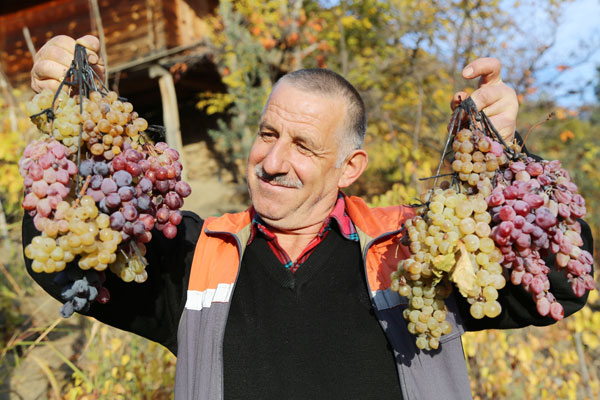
(80, 289)
(105, 121)
(87, 235)
(505, 213)
(534, 214)
(47, 173)
(476, 159)
(96, 186)
(451, 222)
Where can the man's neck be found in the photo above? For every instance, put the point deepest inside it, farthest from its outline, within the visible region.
(295, 241)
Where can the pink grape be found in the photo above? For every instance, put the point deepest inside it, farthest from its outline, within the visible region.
(134, 169)
(517, 166)
(162, 186)
(30, 201)
(161, 174)
(108, 186)
(162, 214)
(170, 231)
(119, 163)
(36, 172)
(556, 311)
(130, 213)
(43, 207)
(50, 175)
(544, 218)
(40, 188)
(173, 200)
(183, 188)
(113, 200)
(175, 217)
(122, 178)
(543, 306)
(126, 193)
(521, 208)
(507, 213)
(117, 221)
(96, 181)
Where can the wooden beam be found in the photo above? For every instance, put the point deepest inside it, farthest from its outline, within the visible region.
(29, 42)
(98, 22)
(170, 111)
(156, 56)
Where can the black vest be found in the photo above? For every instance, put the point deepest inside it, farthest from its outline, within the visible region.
(308, 335)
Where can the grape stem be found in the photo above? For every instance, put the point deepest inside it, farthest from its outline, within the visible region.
(549, 117)
(456, 116)
(436, 176)
(83, 189)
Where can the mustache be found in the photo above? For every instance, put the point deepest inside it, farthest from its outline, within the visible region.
(279, 179)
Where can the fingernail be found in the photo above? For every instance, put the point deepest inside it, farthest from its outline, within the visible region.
(467, 72)
(92, 58)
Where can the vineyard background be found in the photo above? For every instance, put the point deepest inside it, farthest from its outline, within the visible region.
(404, 56)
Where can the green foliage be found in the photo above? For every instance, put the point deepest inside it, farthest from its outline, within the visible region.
(14, 128)
(254, 43)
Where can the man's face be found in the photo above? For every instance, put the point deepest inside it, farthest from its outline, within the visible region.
(292, 177)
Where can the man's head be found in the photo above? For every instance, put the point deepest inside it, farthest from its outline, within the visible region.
(307, 148)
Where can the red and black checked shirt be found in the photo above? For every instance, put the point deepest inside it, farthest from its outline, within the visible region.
(338, 214)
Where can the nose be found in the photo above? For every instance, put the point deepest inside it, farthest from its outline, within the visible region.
(276, 162)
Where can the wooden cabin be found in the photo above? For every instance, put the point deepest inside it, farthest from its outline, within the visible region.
(155, 50)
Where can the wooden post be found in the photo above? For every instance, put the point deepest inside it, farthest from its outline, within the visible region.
(170, 111)
(98, 22)
(29, 42)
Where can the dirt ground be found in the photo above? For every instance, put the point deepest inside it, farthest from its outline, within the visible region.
(213, 193)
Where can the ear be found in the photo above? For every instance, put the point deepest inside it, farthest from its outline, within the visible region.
(353, 167)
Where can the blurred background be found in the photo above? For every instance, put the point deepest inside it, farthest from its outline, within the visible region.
(203, 69)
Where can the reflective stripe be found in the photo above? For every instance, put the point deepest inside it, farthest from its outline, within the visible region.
(197, 300)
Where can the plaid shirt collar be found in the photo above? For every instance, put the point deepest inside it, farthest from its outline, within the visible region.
(338, 214)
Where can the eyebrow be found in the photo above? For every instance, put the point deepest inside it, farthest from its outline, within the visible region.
(266, 125)
(296, 138)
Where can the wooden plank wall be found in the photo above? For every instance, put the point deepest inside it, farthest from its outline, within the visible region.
(132, 28)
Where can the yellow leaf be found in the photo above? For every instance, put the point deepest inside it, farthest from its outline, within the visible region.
(464, 273)
(444, 262)
(125, 359)
(566, 135)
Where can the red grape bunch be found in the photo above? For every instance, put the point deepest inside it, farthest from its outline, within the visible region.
(96, 187)
(505, 214)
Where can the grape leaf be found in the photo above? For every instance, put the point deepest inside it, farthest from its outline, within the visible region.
(464, 273)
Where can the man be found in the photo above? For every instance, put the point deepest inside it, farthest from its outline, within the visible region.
(290, 299)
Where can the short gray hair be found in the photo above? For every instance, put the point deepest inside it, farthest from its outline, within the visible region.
(327, 82)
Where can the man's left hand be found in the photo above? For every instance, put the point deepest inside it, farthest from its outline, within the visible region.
(494, 97)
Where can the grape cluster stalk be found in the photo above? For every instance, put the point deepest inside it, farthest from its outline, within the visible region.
(97, 188)
(494, 223)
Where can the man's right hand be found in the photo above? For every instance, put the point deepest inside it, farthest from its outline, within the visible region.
(53, 60)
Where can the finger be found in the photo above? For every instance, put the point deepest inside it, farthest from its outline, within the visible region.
(485, 96)
(46, 69)
(40, 85)
(90, 42)
(488, 69)
(55, 54)
(458, 98)
(92, 45)
(62, 42)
